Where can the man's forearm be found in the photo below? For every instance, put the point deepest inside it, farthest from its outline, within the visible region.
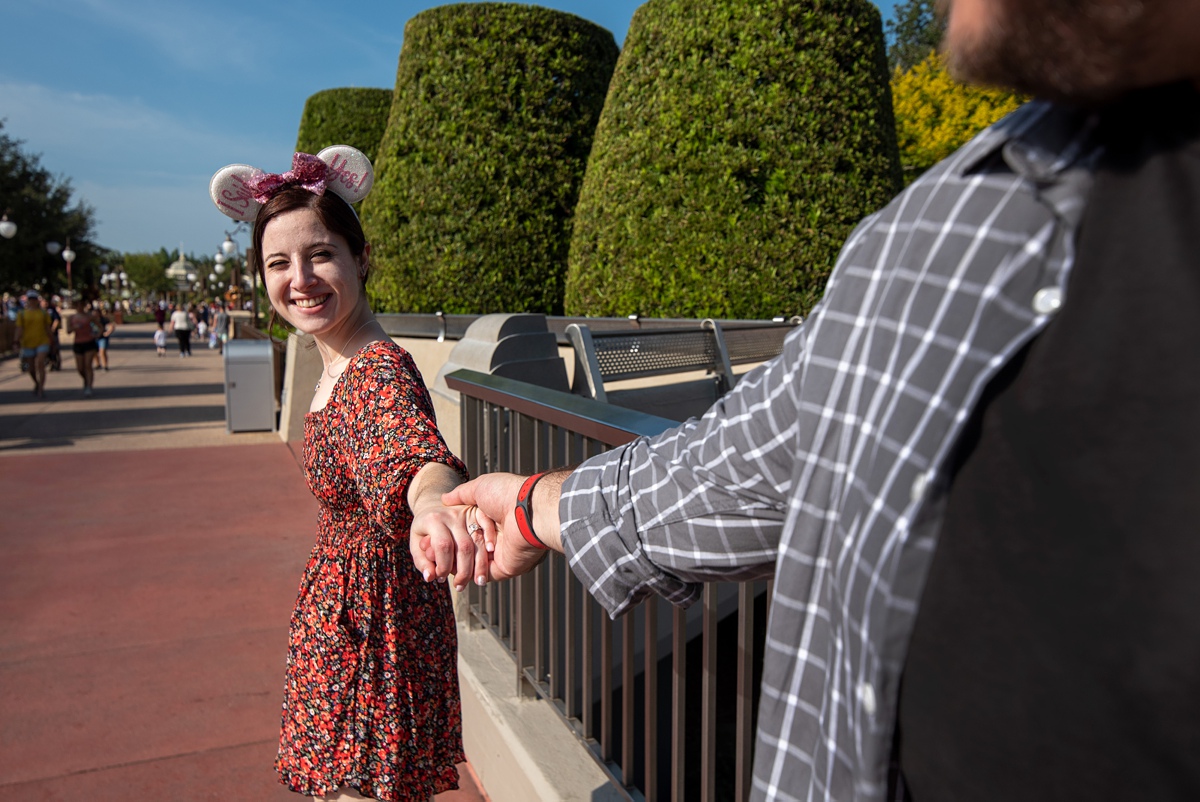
(546, 521)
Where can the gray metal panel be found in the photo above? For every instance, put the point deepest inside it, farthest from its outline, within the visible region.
(249, 386)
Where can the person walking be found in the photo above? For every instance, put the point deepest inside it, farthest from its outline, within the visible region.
(82, 326)
(181, 324)
(221, 327)
(160, 340)
(32, 337)
(972, 471)
(371, 707)
(54, 360)
(106, 327)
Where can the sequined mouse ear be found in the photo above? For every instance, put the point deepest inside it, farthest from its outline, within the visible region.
(349, 173)
(231, 193)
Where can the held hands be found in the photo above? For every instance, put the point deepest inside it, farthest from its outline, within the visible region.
(452, 540)
(444, 546)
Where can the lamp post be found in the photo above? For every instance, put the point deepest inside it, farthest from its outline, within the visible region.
(106, 278)
(8, 228)
(68, 256)
(230, 253)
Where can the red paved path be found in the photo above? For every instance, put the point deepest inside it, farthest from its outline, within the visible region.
(144, 599)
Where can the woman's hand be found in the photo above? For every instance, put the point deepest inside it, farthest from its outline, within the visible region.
(456, 541)
(445, 541)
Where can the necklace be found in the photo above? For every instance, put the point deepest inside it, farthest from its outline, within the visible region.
(345, 359)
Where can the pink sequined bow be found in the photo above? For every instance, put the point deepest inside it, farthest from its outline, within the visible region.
(307, 171)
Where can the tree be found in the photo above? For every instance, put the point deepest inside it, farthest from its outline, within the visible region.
(914, 31)
(42, 207)
(480, 166)
(740, 143)
(351, 116)
(148, 271)
(936, 115)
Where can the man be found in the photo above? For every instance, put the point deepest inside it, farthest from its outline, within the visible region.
(33, 338)
(54, 360)
(973, 472)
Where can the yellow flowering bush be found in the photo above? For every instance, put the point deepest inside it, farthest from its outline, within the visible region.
(936, 115)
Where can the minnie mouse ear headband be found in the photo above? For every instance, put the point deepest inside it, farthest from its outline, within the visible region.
(240, 190)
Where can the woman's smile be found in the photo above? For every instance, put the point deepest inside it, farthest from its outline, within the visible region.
(311, 303)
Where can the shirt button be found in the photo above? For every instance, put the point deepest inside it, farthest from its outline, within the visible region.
(918, 486)
(1047, 300)
(866, 695)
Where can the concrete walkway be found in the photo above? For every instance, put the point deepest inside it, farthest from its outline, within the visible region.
(148, 565)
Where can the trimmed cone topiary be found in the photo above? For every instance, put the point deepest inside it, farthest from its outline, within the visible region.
(350, 116)
(741, 142)
(480, 167)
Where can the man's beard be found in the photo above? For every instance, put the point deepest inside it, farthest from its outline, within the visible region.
(1080, 51)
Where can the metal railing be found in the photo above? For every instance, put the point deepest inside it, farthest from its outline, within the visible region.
(664, 699)
(441, 327)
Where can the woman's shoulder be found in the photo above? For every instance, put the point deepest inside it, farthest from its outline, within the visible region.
(382, 357)
(380, 364)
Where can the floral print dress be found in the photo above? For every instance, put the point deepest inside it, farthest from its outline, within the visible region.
(371, 700)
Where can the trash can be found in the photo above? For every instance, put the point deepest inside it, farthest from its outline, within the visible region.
(249, 386)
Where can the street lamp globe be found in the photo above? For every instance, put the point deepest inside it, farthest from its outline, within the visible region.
(53, 248)
(8, 228)
(228, 246)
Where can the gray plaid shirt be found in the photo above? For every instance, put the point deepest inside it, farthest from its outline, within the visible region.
(826, 467)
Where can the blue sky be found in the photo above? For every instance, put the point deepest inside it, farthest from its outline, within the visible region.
(139, 102)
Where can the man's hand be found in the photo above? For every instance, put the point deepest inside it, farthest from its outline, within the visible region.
(495, 494)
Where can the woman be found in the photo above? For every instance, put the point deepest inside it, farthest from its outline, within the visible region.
(371, 703)
(106, 328)
(81, 325)
(181, 324)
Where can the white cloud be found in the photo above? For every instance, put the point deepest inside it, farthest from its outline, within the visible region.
(143, 171)
(191, 35)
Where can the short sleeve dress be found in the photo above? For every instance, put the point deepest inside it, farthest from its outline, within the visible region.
(371, 700)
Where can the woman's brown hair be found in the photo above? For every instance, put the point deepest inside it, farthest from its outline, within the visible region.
(333, 212)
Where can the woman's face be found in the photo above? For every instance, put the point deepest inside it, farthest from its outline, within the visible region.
(312, 278)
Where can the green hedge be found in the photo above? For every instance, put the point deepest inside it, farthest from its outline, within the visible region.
(740, 143)
(350, 116)
(479, 170)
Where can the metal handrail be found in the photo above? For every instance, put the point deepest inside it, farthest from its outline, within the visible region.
(568, 652)
(442, 327)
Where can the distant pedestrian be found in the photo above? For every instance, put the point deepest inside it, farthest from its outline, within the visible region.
(181, 324)
(221, 328)
(83, 327)
(106, 327)
(160, 340)
(160, 313)
(54, 361)
(33, 338)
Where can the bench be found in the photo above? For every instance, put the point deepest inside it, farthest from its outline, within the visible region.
(604, 357)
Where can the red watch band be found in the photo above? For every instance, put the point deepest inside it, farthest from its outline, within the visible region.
(524, 511)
